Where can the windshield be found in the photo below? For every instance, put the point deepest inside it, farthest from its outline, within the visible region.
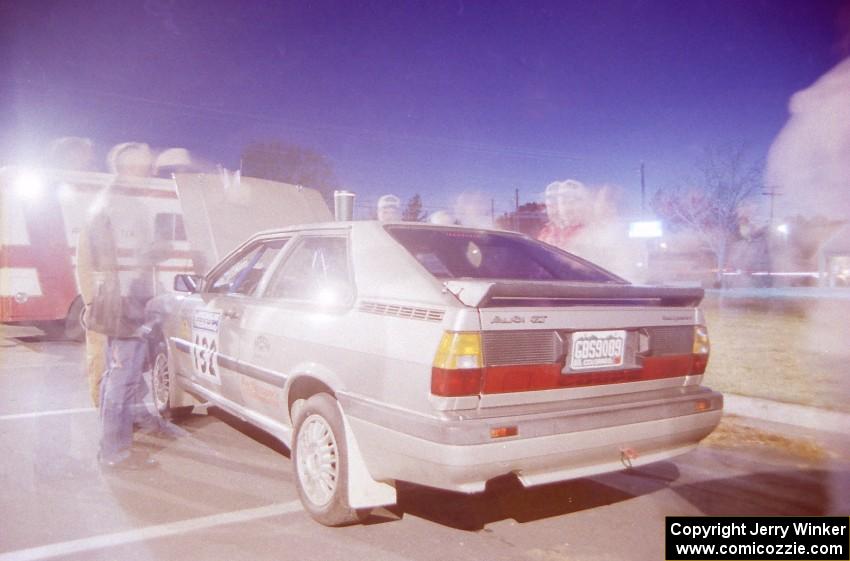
(449, 253)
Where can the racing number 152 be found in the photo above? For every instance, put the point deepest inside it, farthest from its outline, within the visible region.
(204, 355)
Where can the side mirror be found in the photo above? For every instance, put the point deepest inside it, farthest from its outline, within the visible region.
(186, 283)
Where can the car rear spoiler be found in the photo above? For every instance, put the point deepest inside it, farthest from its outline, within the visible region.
(485, 294)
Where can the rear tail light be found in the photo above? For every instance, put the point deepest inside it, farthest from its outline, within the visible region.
(701, 349)
(458, 369)
(458, 365)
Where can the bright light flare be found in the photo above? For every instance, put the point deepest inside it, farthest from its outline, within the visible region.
(29, 186)
(645, 229)
(66, 192)
(782, 229)
(327, 297)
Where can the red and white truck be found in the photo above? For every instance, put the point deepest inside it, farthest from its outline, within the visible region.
(41, 214)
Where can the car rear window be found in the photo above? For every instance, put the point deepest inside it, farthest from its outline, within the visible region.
(450, 253)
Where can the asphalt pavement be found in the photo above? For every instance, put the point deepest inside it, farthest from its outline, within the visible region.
(225, 491)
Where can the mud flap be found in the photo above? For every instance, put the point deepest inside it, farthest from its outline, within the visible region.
(363, 491)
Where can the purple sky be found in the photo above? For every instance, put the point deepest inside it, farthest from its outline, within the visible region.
(428, 97)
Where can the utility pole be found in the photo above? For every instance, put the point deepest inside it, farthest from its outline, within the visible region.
(516, 210)
(772, 192)
(493, 211)
(646, 245)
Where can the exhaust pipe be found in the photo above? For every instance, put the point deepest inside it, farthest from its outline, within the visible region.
(343, 206)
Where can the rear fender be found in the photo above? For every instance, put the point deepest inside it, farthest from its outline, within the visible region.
(306, 379)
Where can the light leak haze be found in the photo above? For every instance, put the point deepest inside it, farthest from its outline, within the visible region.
(439, 98)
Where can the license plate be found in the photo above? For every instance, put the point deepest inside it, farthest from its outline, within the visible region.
(597, 349)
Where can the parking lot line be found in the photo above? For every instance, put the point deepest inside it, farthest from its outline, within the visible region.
(16, 366)
(34, 414)
(149, 532)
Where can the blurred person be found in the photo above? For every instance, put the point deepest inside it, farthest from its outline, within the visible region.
(749, 254)
(575, 208)
(95, 360)
(171, 161)
(549, 232)
(567, 208)
(808, 162)
(128, 159)
(585, 223)
(600, 236)
(443, 218)
(389, 208)
(115, 298)
(472, 208)
(71, 153)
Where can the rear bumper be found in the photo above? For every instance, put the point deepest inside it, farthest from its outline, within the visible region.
(458, 454)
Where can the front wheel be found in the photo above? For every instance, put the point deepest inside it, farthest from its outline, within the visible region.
(161, 386)
(320, 460)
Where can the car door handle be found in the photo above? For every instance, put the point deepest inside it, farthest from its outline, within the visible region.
(232, 314)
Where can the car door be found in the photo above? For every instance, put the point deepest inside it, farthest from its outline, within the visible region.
(312, 283)
(217, 319)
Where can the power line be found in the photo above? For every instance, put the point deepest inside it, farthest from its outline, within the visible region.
(333, 130)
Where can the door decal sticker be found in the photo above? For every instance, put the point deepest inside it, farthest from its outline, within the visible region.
(205, 344)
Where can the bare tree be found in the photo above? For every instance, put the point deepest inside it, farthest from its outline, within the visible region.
(711, 205)
(412, 211)
(289, 163)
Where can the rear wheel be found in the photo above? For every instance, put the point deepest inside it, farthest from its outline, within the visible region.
(162, 385)
(73, 325)
(320, 460)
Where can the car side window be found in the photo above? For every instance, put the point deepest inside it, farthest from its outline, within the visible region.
(316, 271)
(244, 274)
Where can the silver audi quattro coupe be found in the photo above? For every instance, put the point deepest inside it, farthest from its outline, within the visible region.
(438, 355)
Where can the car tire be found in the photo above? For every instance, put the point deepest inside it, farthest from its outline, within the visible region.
(162, 389)
(320, 462)
(73, 328)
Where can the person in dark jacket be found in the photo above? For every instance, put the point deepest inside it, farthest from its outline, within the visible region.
(119, 226)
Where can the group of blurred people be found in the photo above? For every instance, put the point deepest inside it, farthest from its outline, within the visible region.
(579, 219)
(467, 211)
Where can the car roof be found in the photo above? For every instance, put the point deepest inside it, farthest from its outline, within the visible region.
(372, 225)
